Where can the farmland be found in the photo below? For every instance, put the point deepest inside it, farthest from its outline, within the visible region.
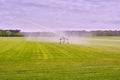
(27, 60)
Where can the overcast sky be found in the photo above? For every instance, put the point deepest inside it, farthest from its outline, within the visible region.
(37, 15)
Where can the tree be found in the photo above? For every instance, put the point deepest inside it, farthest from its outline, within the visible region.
(8, 33)
(18, 34)
(1, 33)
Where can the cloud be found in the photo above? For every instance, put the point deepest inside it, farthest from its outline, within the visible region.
(114, 22)
(62, 13)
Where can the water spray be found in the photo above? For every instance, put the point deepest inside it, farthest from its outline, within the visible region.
(62, 37)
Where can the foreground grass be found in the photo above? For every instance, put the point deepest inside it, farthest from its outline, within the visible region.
(25, 60)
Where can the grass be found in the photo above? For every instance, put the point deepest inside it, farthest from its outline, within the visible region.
(25, 60)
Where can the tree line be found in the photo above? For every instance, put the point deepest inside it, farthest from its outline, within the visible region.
(105, 33)
(93, 33)
(10, 33)
(18, 33)
(75, 33)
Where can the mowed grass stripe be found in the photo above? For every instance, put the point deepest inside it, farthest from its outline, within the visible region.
(45, 52)
(14, 50)
(70, 51)
(53, 50)
(17, 52)
(60, 51)
(5, 44)
(9, 50)
(27, 51)
(37, 54)
(20, 51)
(7, 47)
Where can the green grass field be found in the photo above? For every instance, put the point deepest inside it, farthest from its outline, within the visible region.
(25, 60)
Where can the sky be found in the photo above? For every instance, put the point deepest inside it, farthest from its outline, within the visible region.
(42, 15)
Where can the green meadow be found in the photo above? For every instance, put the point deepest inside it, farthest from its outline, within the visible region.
(27, 60)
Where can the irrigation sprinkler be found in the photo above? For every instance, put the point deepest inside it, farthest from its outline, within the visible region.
(64, 40)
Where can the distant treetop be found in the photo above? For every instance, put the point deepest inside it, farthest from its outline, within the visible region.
(10, 33)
